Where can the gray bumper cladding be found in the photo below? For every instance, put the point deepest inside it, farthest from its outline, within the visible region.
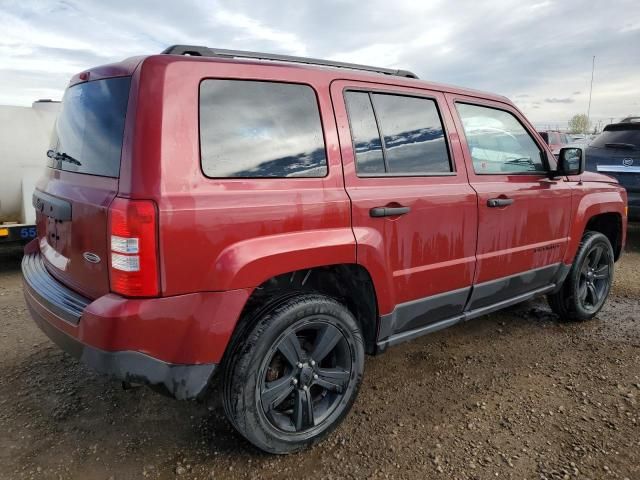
(176, 380)
(179, 381)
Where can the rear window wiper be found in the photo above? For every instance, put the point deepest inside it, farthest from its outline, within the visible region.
(62, 157)
(628, 146)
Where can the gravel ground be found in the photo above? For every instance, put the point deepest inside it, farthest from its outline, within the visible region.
(515, 395)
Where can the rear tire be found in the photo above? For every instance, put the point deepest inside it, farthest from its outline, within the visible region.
(588, 283)
(294, 377)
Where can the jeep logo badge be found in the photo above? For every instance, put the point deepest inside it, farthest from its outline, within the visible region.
(627, 162)
(91, 257)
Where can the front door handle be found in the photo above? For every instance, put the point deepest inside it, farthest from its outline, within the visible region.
(388, 211)
(499, 202)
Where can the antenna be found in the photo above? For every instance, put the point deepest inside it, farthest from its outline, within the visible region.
(593, 67)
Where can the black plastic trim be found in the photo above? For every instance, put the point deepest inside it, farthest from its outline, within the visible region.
(388, 211)
(201, 51)
(51, 206)
(176, 380)
(179, 381)
(407, 321)
(495, 291)
(499, 202)
(62, 301)
(434, 327)
(429, 310)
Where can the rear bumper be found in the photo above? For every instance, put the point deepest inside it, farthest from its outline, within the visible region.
(633, 201)
(179, 381)
(172, 343)
(17, 233)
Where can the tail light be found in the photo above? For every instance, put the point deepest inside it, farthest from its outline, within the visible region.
(134, 248)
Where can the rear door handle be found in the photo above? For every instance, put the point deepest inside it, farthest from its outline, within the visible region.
(388, 211)
(499, 202)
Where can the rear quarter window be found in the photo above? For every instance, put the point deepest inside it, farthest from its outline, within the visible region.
(254, 129)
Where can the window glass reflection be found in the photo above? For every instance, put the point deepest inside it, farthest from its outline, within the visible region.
(364, 131)
(260, 129)
(90, 126)
(498, 142)
(413, 134)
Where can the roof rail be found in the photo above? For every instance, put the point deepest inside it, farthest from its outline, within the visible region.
(196, 51)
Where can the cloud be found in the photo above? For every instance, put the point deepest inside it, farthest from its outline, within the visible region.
(252, 30)
(559, 100)
(525, 51)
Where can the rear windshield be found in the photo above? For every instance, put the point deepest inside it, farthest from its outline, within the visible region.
(90, 127)
(625, 136)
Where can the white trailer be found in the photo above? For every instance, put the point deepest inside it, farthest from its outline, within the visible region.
(25, 133)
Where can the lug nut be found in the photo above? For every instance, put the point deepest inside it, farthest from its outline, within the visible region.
(305, 388)
(315, 376)
(299, 364)
(312, 362)
(294, 381)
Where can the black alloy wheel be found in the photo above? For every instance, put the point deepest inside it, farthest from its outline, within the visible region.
(595, 278)
(294, 373)
(305, 375)
(588, 283)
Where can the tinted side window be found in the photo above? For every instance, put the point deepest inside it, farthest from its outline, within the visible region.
(260, 129)
(364, 132)
(413, 134)
(498, 142)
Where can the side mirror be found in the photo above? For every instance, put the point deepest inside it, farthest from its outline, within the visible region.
(570, 161)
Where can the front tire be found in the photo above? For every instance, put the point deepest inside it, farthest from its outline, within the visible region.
(295, 376)
(588, 283)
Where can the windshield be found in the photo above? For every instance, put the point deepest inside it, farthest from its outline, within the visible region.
(622, 134)
(90, 127)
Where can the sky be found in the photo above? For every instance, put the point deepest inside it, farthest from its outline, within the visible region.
(536, 52)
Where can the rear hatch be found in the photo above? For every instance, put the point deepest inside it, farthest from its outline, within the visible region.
(73, 198)
(616, 152)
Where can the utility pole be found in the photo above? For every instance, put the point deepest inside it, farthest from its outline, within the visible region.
(593, 67)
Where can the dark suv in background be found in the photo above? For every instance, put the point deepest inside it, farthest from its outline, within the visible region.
(616, 152)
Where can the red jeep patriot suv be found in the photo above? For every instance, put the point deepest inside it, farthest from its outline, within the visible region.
(264, 221)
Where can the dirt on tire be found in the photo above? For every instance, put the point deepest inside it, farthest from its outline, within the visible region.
(515, 394)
